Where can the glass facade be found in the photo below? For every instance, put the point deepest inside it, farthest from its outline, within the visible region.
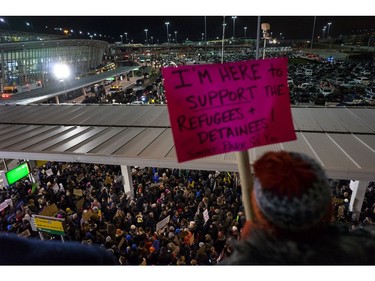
(30, 64)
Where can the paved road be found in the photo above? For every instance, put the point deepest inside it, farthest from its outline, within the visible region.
(326, 53)
(124, 84)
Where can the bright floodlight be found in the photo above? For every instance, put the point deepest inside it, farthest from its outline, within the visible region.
(61, 71)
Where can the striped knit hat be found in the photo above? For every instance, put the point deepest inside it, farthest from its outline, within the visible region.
(291, 192)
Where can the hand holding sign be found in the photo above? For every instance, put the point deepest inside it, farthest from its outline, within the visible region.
(228, 107)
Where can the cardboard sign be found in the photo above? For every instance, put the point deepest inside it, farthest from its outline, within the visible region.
(77, 192)
(25, 233)
(49, 211)
(80, 203)
(122, 241)
(219, 108)
(86, 216)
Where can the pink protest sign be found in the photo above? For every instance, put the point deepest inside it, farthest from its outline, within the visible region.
(218, 108)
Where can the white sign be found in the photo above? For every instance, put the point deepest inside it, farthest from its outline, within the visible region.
(162, 223)
(206, 216)
(5, 204)
(49, 172)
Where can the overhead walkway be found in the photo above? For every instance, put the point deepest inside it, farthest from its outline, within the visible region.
(57, 89)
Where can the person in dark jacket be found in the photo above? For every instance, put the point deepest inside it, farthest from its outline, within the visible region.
(21, 251)
(290, 223)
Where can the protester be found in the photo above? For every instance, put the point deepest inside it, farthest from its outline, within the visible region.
(292, 207)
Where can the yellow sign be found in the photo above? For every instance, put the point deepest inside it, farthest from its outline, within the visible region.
(50, 225)
(40, 163)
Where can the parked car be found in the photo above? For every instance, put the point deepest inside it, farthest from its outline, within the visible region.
(362, 80)
(338, 81)
(370, 90)
(302, 96)
(370, 99)
(320, 99)
(129, 91)
(326, 90)
(139, 82)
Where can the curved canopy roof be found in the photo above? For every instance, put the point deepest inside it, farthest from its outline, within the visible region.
(341, 139)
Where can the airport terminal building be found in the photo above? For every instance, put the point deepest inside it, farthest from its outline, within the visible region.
(27, 61)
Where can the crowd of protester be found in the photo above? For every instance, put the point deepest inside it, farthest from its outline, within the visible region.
(171, 217)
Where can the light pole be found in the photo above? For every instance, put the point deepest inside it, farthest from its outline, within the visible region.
(126, 37)
(265, 28)
(175, 36)
(205, 29)
(234, 25)
(121, 38)
(329, 26)
(222, 40)
(245, 28)
(324, 31)
(167, 24)
(312, 35)
(146, 36)
(202, 36)
(152, 40)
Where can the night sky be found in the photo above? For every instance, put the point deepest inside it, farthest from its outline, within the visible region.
(191, 27)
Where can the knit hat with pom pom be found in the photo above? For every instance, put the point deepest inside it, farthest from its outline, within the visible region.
(291, 191)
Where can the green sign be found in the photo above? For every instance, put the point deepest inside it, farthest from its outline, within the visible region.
(17, 173)
(110, 79)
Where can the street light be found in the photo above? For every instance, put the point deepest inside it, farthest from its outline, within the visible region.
(234, 25)
(167, 24)
(329, 25)
(324, 31)
(175, 36)
(146, 35)
(152, 40)
(121, 38)
(202, 36)
(245, 28)
(126, 37)
(62, 72)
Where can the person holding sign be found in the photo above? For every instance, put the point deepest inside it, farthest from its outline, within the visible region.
(291, 202)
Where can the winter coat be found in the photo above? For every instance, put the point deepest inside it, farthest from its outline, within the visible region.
(336, 245)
